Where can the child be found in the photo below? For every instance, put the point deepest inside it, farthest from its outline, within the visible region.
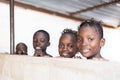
(40, 43)
(90, 39)
(67, 44)
(21, 49)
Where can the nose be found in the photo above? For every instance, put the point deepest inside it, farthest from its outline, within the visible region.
(84, 42)
(65, 48)
(37, 43)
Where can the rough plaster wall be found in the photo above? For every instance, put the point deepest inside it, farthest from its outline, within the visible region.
(14, 67)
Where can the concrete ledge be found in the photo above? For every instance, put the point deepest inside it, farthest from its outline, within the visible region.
(15, 67)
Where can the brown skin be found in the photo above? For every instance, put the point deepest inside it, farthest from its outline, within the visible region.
(67, 46)
(89, 43)
(40, 40)
(21, 49)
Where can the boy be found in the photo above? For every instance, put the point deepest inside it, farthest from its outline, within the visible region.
(21, 49)
(40, 43)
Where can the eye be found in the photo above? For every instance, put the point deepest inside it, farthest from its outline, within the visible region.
(61, 46)
(90, 39)
(42, 40)
(71, 46)
(79, 39)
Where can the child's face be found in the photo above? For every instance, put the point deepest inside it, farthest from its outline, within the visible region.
(67, 46)
(89, 43)
(40, 41)
(21, 50)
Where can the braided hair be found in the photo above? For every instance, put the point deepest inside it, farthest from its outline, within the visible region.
(71, 32)
(93, 23)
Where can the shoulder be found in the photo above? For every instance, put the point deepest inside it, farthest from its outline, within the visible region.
(48, 55)
(100, 59)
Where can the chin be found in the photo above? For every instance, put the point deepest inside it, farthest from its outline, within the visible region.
(87, 56)
(66, 56)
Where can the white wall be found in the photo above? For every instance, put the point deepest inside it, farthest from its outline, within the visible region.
(4, 28)
(40, 68)
(111, 49)
(28, 21)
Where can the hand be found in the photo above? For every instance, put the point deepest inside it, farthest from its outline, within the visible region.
(38, 53)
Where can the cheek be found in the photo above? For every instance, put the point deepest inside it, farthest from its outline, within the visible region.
(95, 43)
(34, 45)
(72, 50)
(78, 45)
(60, 50)
(43, 44)
(95, 46)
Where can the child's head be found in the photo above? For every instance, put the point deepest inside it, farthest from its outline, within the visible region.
(90, 38)
(41, 40)
(21, 49)
(67, 43)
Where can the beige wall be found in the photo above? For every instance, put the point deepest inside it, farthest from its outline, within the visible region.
(13, 67)
(28, 21)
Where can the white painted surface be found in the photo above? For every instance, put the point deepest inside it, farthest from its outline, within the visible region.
(15, 67)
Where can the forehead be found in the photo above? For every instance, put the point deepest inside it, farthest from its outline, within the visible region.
(21, 45)
(67, 37)
(40, 34)
(88, 30)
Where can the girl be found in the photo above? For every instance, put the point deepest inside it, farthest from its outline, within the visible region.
(90, 39)
(67, 44)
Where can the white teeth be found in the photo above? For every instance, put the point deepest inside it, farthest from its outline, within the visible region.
(38, 48)
(65, 54)
(85, 50)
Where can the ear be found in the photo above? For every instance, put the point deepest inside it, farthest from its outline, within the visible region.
(102, 42)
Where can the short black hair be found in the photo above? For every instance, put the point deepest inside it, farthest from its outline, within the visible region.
(93, 23)
(21, 43)
(45, 32)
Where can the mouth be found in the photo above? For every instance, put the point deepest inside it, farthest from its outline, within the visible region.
(65, 54)
(38, 48)
(21, 52)
(84, 50)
